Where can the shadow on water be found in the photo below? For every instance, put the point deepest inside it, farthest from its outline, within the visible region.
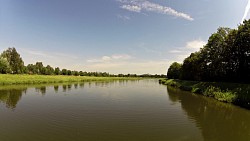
(217, 121)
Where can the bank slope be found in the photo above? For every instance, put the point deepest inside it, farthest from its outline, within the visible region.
(236, 93)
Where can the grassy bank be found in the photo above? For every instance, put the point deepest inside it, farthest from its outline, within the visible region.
(9, 79)
(235, 93)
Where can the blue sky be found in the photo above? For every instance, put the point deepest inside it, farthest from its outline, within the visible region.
(116, 36)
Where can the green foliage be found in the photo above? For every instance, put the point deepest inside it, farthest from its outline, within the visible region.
(210, 91)
(174, 71)
(226, 92)
(227, 96)
(49, 70)
(64, 72)
(4, 66)
(57, 71)
(15, 61)
(69, 72)
(225, 57)
(9, 79)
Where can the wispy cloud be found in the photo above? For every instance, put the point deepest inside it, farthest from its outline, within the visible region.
(139, 5)
(246, 11)
(123, 17)
(195, 45)
(115, 57)
(190, 47)
(175, 51)
(54, 59)
(133, 8)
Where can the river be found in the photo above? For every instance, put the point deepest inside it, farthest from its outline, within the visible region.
(139, 110)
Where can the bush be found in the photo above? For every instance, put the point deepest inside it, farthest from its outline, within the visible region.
(211, 90)
(227, 96)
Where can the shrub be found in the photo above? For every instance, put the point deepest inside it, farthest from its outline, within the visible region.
(226, 96)
(210, 91)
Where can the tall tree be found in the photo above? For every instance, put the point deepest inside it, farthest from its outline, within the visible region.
(57, 71)
(4, 66)
(174, 71)
(15, 61)
(39, 68)
(242, 44)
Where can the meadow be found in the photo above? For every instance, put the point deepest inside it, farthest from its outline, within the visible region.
(10, 79)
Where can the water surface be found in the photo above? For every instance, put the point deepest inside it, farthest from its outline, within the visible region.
(140, 110)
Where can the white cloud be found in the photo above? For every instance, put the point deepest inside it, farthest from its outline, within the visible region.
(133, 8)
(115, 57)
(174, 51)
(123, 17)
(139, 5)
(195, 45)
(190, 47)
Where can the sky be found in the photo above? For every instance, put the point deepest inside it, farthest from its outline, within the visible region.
(115, 36)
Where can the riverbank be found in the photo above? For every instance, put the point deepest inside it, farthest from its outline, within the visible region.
(236, 93)
(10, 79)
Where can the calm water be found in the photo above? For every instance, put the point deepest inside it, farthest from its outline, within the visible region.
(117, 111)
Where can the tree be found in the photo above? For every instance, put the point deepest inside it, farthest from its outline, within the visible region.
(31, 69)
(15, 61)
(57, 71)
(75, 73)
(242, 45)
(213, 54)
(49, 70)
(64, 71)
(4, 66)
(39, 68)
(174, 71)
(69, 72)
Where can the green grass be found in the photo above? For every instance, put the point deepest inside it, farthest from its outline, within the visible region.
(10, 79)
(235, 93)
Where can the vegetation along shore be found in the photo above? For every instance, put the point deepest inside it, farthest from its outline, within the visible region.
(9, 79)
(220, 69)
(235, 93)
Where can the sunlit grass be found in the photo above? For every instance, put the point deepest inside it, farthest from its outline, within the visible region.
(8, 79)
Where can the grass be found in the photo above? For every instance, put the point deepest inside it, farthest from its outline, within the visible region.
(235, 93)
(10, 79)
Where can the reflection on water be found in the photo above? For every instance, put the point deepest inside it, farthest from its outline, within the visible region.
(218, 121)
(10, 97)
(140, 110)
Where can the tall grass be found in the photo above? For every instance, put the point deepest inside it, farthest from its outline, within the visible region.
(8, 79)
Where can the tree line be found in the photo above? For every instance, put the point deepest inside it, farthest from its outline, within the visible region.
(225, 57)
(12, 63)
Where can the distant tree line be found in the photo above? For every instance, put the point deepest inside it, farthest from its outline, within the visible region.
(225, 57)
(12, 63)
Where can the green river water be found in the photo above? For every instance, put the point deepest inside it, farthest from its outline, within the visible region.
(141, 110)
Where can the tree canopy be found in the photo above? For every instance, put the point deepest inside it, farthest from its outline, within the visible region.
(14, 60)
(225, 57)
